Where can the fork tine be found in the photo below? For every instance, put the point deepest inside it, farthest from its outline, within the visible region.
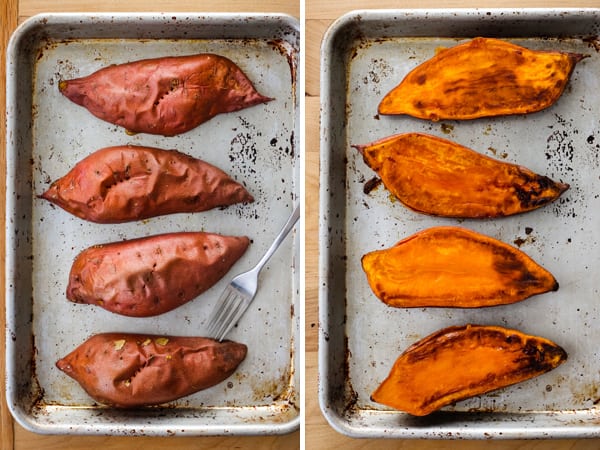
(220, 310)
(235, 308)
(227, 306)
(235, 313)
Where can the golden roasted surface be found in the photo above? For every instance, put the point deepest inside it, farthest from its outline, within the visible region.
(442, 178)
(459, 362)
(454, 267)
(131, 370)
(480, 78)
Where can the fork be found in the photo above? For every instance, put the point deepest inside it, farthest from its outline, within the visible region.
(240, 291)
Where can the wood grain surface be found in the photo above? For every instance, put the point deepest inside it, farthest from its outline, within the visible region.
(318, 434)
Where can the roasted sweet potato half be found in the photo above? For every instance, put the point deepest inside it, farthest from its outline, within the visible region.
(149, 276)
(481, 78)
(436, 176)
(461, 362)
(165, 96)
(133, 370)
(454, 267)
(126, 183)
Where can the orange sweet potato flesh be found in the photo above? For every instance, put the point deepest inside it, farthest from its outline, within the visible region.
(133, 370)
(127, 182)
(149, 276)
(482, 78)
(436, 176)
(461, 362)
(450, 266)
(165, 96)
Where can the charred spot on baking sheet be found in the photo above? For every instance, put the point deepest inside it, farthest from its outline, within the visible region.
(288, 52)
(371, 184)
(593, 42)
(560, 154)
(243, 156)
(292, 151)
(519, 241)
(35, 390)
(350, 397)
(447, 128)
(377, 70)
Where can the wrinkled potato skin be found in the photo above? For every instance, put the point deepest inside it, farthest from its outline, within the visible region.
(459, 362)
(150, 276)
(126, 183)
(165, 96)
(482, 78)
(133, 370)
(453, 267)
(439, 177)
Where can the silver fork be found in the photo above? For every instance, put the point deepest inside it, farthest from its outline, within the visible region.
(240, 291)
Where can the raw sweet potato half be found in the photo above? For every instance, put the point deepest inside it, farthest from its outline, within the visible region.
(165, 96)
(451, 266)
(480, 78)
(132, 370)
(459, 362)
(149, 276)
(436, 176)
(127, 182)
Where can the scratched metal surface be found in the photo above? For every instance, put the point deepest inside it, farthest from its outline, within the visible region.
(258, 146)
(364, 55)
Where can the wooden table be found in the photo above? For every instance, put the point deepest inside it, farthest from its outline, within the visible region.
(318, 434)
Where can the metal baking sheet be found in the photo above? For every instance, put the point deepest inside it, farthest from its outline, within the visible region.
(364, 55)
(258, 146)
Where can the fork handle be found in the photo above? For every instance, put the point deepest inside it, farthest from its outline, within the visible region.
(291, 222)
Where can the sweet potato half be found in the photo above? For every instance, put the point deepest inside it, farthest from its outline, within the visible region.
(149, 276)
(482, 78)
(126, 183)
(436, 176)
(165, 96)
(461, 362)
(133, 370)
(453, 267)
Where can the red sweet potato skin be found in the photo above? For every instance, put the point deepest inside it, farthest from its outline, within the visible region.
(126, 183)
(149, 276)
(132, 370)
(165, 96)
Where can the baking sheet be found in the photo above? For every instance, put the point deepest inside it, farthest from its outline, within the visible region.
(364, 55)
(258, 146)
